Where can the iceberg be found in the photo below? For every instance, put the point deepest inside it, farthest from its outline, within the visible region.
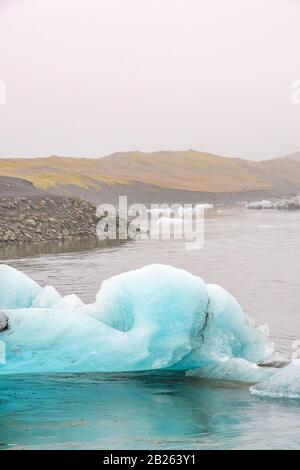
(283, 384)
(290, 204)
(230, 332)
(156, 317)
(260, 205)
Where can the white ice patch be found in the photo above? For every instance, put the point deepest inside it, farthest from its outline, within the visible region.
(284, 384)
(236, 369)
(48, 297)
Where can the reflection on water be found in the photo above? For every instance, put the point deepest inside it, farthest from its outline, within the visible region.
(24, 250)
(148, 411)
(255, 256)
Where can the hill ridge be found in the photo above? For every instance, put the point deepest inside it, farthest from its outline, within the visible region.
(190, 170)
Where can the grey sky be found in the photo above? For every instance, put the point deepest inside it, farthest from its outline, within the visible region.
(90, 77)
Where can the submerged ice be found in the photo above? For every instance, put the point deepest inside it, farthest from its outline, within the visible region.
(156, 317)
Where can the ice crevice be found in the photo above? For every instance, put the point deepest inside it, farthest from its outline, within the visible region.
(156, 317)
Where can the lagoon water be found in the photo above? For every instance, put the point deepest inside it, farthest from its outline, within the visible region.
(256, 256)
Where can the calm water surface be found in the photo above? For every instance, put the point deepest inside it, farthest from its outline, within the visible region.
(256, 256)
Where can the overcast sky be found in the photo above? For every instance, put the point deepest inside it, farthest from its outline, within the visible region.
(91, 77)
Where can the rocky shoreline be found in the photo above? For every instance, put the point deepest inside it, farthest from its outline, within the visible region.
(39, 219)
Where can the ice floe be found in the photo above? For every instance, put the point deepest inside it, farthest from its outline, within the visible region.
(156, 317)
(284, 384)
(290, 204)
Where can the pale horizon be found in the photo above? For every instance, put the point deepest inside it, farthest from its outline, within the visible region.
(145, 152)
(91, 78)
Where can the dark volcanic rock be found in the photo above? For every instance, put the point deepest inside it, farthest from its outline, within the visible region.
(36, 219)
(50, 218)
(4, 322)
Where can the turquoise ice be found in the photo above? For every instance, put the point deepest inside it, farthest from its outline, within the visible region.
(157, 317)
(16, 289)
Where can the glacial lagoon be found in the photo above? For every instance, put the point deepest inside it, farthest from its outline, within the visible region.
(255, 257)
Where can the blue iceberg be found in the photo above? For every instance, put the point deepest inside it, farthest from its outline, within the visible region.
(157, 317)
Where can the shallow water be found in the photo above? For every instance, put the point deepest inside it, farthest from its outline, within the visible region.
(255, 255)
(140, 411)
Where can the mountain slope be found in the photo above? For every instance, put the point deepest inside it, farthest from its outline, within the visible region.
(181, 171)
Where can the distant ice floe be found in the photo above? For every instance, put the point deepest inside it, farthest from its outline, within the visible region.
(184, 210)
(157, 317)
(261, 205)
(178, 210)
(292, 203)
